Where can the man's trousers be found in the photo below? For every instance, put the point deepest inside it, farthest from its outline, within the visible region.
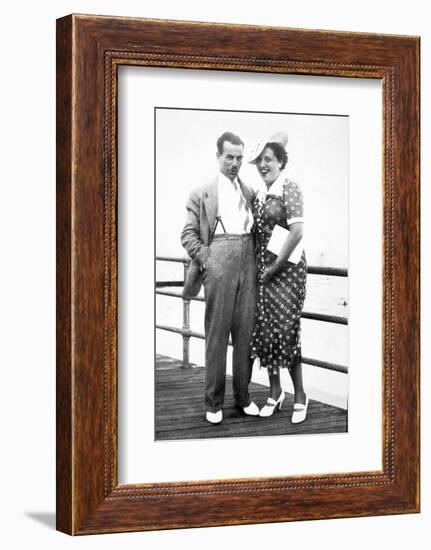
(230, 302)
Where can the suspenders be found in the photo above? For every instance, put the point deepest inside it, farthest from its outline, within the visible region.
(218, 220)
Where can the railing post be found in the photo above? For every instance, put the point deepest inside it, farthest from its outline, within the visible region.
(186, 328)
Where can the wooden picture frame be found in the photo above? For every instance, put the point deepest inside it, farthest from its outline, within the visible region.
(89, 51)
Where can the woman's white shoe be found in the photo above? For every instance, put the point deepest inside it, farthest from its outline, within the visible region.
(300, 412)
(271, 405)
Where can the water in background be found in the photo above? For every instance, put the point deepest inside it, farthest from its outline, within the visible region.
(320, 340)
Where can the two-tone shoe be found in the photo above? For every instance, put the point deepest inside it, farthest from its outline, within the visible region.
(214, 417)
(252, 409)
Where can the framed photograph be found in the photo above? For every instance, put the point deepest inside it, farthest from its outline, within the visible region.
(324, 320)
(237, 274)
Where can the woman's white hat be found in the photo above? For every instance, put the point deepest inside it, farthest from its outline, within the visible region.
(278, 137)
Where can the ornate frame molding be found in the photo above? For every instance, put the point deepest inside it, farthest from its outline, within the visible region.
(90, 49)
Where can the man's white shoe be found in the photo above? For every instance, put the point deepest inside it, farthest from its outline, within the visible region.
(215, 418)
(252, 409)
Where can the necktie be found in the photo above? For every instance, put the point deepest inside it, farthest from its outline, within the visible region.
(242, 208)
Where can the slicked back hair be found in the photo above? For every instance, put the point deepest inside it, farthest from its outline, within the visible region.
(231, 138)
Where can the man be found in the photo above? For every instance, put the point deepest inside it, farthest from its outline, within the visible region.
(217, 236)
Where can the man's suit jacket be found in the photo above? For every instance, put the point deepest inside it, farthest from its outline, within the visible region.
(202, 210)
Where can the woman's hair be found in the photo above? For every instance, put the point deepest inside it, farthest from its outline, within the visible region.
(279, 151)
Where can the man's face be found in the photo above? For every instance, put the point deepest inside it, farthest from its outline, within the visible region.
(230, 160)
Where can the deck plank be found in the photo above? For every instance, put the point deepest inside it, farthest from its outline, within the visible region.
(180, 410)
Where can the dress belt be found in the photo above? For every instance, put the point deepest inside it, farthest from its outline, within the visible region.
(225, 236)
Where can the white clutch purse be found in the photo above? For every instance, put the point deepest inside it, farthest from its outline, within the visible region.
(278, 238)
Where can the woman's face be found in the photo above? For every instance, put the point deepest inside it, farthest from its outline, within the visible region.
(268, 166)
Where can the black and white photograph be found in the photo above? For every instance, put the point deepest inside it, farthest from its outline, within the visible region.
(167, 168)
(251, 273)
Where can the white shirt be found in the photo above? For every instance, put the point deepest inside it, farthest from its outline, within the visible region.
(236, 219)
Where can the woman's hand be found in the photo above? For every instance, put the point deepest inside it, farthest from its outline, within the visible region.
(268, 274)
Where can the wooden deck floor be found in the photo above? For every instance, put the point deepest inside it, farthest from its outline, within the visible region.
(180, 411)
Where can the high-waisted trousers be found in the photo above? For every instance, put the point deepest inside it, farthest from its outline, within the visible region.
(230, 302)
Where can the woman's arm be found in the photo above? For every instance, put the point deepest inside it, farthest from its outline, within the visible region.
(296, 232)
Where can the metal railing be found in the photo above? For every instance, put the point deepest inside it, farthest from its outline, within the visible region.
(188, 333)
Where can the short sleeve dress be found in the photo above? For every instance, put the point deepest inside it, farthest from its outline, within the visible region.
(277, 335)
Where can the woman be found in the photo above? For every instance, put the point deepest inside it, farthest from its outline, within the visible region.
(281, 283)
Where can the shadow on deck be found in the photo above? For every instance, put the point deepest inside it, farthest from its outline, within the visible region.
(180, 410)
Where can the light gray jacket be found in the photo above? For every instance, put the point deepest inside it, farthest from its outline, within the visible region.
(202, 206)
